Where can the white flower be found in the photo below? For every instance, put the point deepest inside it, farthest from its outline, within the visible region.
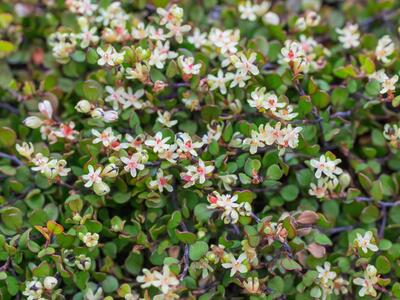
(90, 239)
(165, 280)
(93, 176)
(133, 99)
(349, 36)
(177, 31)
(245, 65)
(389, 84)
(198, 39)
(384, 49)
(238, 79)
(148, 279)
(325, 274)
(254, 142)
(162, 182)
(367, 283)
(33, 289)
(165, 119)
(326, 166)
(196, 173)
(236, 265)
(188, 66)
(88, 36)
(217, 82)
(247, 11)
(186, 145)
(132, 164)
(106, 57)
(320, 190)
(25, 150)
(364, 242)
(106, 137)
(158, 143)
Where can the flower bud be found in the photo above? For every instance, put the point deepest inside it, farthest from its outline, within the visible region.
(110, 116)
(211, 257)
(83, 262)
(33, 122)
(344, 180)
(97, 113)
(83, 106)
(101, 188)
(110, 171)
(77, 217)
(50, 282)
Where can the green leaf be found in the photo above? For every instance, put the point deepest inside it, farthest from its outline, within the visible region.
(6, 48)
(383, 264)
(110, 284)
(92, 90)
(198, 250)
(289, 192)
(11, 217)
(81, 279)
(7, 137)
(290, 264)
(133, 263)
(210, 112)
(274, 172)
(186, 236)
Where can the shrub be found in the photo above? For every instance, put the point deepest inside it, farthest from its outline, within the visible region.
(199, 150)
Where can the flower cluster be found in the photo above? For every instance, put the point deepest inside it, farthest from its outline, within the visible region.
(228, 204)
(326, 173)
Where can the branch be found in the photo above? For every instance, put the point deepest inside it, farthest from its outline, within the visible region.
(13, 158)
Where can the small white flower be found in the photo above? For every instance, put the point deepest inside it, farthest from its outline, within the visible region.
(389, 84)
(26, 149)
(349, 36)
(162, 182)
(236, 265)
(158, 143)
(93, 176)
(364, 242)
(90, 239)
(384, 49)
(132, 164)
(218, 82)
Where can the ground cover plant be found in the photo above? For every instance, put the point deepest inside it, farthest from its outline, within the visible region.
(199, 149)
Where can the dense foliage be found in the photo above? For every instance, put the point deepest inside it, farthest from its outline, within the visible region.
(199, 149)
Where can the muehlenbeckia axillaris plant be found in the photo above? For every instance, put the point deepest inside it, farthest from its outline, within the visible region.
(184, 150)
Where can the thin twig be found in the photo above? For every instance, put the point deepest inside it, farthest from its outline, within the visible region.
(12, 158)
(383, 223)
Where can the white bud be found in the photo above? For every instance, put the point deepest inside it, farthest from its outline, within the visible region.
(46, 109)
(110, 171)
(97, 113)
(83, 106)
(50, 282)
(101, 188)
(33, 122)
(110, 116)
